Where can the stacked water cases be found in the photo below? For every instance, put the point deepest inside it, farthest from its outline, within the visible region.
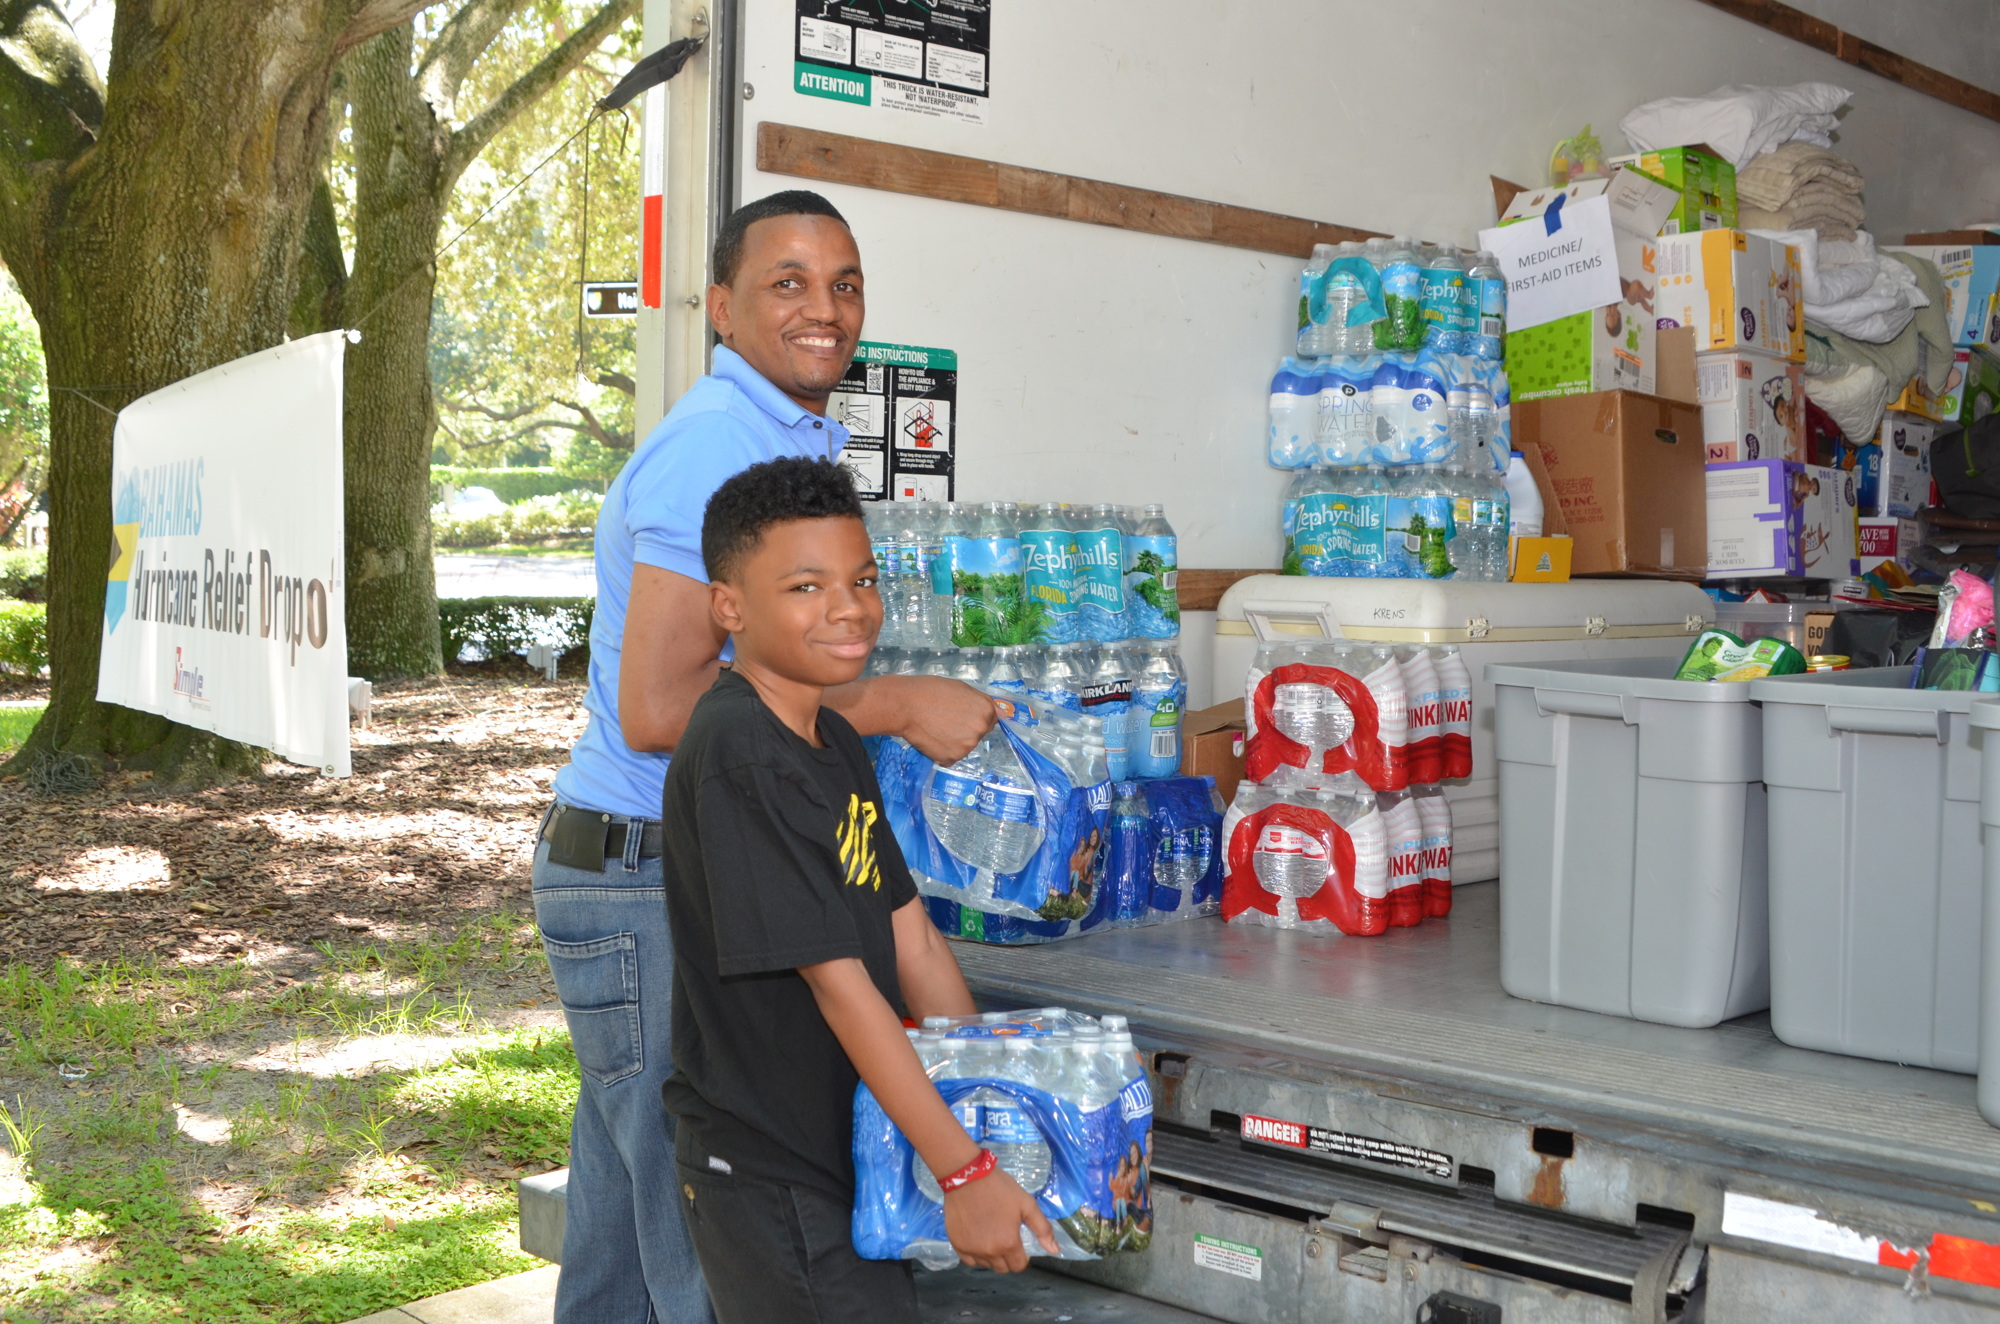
(1580, 621)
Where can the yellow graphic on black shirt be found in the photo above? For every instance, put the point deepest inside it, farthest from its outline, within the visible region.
(857, 844)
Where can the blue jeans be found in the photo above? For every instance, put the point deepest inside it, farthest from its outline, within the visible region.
(626, 1255)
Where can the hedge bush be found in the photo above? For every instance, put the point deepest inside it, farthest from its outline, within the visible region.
(538, 519)
(24, 575)
(510, 485)
(24, 636)
(498, 627)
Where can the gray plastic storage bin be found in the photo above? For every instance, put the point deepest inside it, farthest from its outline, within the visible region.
(1875, 866)
(1632, 851)
(1985, 720)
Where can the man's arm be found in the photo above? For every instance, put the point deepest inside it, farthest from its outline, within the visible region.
(983, 1219)
(942, 718)
(670, 655)
(926, 969)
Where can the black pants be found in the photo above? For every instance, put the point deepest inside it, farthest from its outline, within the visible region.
(777, 1254)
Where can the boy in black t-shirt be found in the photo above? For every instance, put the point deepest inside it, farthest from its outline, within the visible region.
(798, 935)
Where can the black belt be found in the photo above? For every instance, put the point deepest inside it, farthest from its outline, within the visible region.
(580, 839)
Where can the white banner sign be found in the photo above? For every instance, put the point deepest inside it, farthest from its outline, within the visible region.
(224, 609)
(1553, 273)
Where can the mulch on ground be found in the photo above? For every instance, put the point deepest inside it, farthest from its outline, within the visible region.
(436, 824)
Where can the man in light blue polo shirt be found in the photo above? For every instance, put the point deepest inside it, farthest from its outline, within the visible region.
(787, 303)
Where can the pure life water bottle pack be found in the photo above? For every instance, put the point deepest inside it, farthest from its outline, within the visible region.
(1063, 1103)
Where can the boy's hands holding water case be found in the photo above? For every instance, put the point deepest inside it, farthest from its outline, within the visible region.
(983, 1218)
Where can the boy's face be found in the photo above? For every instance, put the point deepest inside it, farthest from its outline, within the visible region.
(803, 603)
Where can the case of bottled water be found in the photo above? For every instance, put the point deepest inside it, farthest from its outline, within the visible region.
(1016, 826)
(1163, 861)
(1307, 853)
(1065, 1106)
(1327, 707)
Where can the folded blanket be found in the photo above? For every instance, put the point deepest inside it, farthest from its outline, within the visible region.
(1826, 197)
(1770, 180)
(1740, 122)
(1828, 227)
(1855, 399)
(1871, 297)
(1854, 380)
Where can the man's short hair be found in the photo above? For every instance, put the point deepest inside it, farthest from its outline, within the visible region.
(728, 253)
(773, 492)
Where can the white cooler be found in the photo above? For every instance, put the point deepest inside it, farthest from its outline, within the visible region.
(1583, 620)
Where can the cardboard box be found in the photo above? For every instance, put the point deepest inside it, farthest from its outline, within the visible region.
(1737, 290)
(1542, 560)
(1775, 517)
(1753, 406)
(1905, 485)
(1944, 406)
(1674, 366)
(1212, 746)
(1609, 348)
(1703, 181)
(1888, 540)
(1626, 470)
(1981, 396)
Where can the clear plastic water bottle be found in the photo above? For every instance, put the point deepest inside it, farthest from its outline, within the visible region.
(1313, 335)
(1402, 296)
(1100, 577)
(1458, 411)
(1003, 670)
(1467, 550)
(1108, 697)
(1489, 287)
(1443, 284)
(878, 516)
(1017, 1144)
(1152, 577)
(914, 601)
(1159, 694)
(1480, 423)
(1059, 681)
(1048, 566)
(1345, 293)
(957, 526)
(1292, 442)
(1008, 827)
(1496, 516)
(1346, 423)
(951, 804)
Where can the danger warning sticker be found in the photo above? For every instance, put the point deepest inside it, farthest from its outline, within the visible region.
(1316, 1140)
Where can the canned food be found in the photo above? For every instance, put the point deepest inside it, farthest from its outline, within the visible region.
(1828, 662)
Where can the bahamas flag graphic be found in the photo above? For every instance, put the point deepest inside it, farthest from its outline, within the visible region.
(124, 544)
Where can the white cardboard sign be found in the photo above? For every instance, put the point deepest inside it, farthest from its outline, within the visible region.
(1554, 273)
(223, 608)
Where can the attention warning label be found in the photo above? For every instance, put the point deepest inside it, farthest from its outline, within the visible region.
(923, 57)
(896, 403)
(1316, 1140)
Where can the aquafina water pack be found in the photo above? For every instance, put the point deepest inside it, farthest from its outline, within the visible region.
(1164, 860)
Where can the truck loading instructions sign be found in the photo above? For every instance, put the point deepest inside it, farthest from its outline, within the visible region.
(926, 57)
(898, 403)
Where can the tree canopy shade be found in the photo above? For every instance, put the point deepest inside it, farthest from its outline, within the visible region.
(412, 140)
(154, 223)
(177, 214)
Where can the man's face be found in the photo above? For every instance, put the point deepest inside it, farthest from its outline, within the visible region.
(803, 603)
(794, 309)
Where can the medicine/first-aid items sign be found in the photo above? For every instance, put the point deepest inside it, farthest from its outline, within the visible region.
(223, 605)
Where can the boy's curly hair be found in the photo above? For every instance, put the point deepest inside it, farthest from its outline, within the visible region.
(770, 493)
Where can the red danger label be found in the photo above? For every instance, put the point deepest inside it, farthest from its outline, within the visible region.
(1274, 1132)
(1339, 1144)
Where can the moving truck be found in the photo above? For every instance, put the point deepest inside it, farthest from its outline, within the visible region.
(1083, 226)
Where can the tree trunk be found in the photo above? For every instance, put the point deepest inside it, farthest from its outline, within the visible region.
(166, 246)
(399, 201)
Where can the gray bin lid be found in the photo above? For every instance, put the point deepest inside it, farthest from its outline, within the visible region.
(1627, 677)
(1886, 688)
(1986, 714)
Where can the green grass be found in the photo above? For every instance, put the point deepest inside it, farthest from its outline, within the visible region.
(16, 721)
(368, 1191)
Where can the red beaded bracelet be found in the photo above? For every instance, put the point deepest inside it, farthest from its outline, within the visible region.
(968, 1174)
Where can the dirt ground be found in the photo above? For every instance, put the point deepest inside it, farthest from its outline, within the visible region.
(436, 824)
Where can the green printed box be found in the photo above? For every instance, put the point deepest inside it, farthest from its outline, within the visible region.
(1706, 184)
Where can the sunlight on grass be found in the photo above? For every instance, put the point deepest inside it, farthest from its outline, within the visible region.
(16, 721)
(163, 1190)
